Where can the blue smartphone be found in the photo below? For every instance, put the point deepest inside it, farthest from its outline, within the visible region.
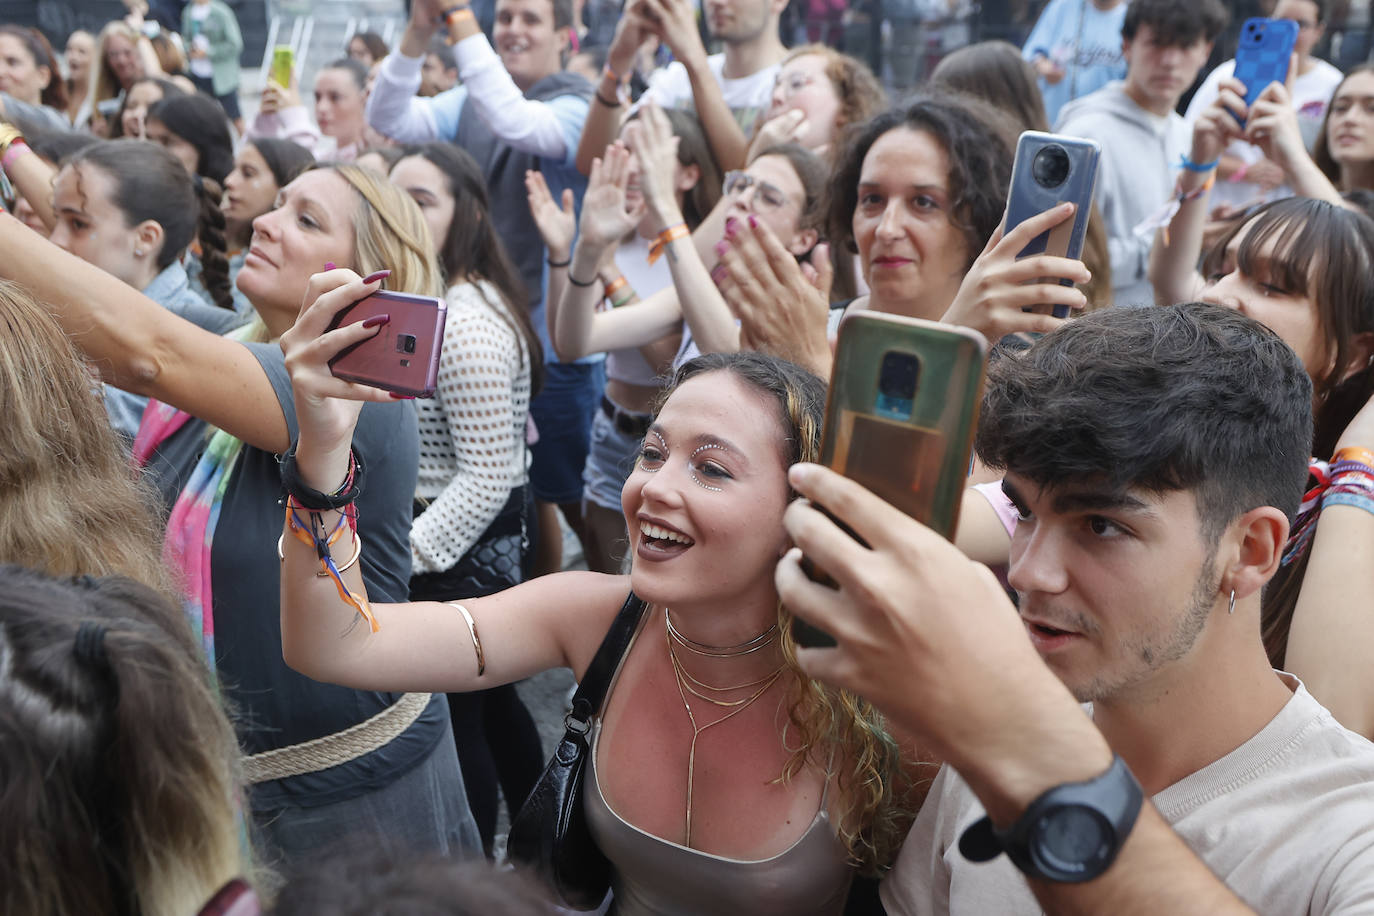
(1051, 169)
(1266, 47)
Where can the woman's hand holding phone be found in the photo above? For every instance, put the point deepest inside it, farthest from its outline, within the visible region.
(1000, 286)
(327, 408)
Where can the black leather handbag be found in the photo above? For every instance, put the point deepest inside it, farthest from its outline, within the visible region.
(549, 833)
(494, 563)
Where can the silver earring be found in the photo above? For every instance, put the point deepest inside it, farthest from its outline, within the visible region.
(138, 252)
(1231, 608)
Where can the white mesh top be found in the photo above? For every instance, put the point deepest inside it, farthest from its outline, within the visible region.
(472, 432)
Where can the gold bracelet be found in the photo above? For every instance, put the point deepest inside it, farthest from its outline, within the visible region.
(324, 573)
(476, 640)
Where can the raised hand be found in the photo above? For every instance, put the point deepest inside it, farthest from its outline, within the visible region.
(655, 146)
(1273, 127)
(605, 221)
(781, 309)
(557, 225)
(999, 285)
(1219, 123)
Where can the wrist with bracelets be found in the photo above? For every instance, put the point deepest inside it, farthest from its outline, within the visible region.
(1188, 165)
(455, 17)
(312, 500)
(666, 238)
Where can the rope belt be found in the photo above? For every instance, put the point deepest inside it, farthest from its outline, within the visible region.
(341, 747)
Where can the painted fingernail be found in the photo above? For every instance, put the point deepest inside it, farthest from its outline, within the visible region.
(377, 275)
(376, 320)
(402, 397)
(753, 221)
(328, 265)
(720, 248)
(731, 224)
(718, 274)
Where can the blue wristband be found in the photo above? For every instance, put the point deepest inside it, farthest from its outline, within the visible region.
(1192, 166)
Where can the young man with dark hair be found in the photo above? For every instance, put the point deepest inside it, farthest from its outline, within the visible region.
(1156, 458)
(1165, 43)
(1244, 176)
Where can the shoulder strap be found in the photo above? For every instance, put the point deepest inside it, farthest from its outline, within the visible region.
(591, 693)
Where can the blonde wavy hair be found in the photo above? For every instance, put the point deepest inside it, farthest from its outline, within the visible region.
(104, 85)
(391, 232)
(69, 504)
(871, 775)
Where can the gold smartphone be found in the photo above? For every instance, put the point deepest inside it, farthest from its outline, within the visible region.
(283, 63)
(900, 418)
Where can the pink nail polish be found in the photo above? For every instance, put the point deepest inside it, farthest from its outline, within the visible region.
(720, 248)
(731, 224)
(753, 222)
(402, 397)
(328, 265)
(376, 320)
(377, 275)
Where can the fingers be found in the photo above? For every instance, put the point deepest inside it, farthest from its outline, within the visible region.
(1017, 239)
(328, 293)
(567, 201)
(825, 270)
(1046, 270)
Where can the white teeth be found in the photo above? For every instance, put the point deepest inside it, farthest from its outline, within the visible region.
(663, 534)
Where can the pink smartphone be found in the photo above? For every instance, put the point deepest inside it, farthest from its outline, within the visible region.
(403, 356)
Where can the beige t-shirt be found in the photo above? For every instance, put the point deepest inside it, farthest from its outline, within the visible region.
(1286, 820)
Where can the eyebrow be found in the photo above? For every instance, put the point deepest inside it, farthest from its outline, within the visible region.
(706, 439)
(1088, 500)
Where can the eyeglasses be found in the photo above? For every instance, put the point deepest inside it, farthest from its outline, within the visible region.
(793, 84)
(766, 196)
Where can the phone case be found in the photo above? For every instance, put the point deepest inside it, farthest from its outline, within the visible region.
(403, 356)
(1030, 194)
(1262, 57)
(900, 417)
(283, 62)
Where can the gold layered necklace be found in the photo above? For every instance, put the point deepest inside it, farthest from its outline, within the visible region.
(687, 684)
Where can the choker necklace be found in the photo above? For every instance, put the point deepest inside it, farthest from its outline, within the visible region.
(744, 648)
(736, 706)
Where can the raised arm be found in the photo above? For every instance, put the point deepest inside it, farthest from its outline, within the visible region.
(139, 346)
(712, 325)
(1331, 637)
(549, 622)
(580, 329)
(1174, 255)
(393, 110)
(607, 110)
(1273, 127)
(30, 175)
(677, 28)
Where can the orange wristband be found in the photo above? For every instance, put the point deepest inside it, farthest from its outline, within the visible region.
(616, 286)
(453, 17)
(667, 236)
(1357, 453)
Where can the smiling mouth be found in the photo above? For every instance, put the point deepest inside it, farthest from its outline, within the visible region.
(659, 543)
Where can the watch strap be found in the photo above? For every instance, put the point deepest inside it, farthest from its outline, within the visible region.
(1114, 795)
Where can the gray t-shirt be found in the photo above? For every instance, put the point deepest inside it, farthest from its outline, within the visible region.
(1286, 820)
(274, 706)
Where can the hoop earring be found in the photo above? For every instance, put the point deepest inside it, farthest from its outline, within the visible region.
(1231, 608)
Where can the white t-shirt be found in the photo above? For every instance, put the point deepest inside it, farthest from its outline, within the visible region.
(746, 97)
(1286, 820)
(1311, 93)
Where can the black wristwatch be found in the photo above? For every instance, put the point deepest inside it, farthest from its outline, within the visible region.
(1069, 834)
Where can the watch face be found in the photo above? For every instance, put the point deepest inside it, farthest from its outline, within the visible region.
(1072, 842)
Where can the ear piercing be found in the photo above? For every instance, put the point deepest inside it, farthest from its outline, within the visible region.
(1231, 608)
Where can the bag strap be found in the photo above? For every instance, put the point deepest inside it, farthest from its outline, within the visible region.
(591, 692)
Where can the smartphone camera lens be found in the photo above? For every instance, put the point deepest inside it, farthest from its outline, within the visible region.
(405, 343)
(1050, 167)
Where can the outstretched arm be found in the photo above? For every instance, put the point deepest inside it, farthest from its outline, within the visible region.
(30, 175)
(549, 622)
(139, 346)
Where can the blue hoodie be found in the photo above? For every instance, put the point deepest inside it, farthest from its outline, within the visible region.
(1085, 41)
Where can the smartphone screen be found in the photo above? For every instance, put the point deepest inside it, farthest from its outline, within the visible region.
(899, 419)
(403, 356)
(283, 62)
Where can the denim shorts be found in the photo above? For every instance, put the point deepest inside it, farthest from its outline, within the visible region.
(563, 412)
(609, 462)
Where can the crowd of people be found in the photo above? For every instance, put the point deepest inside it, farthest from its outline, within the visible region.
(261, 626)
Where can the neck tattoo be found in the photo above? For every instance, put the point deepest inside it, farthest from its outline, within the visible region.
(685, 686)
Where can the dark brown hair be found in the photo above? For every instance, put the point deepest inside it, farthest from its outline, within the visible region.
(1321, 151)
(54, 95)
